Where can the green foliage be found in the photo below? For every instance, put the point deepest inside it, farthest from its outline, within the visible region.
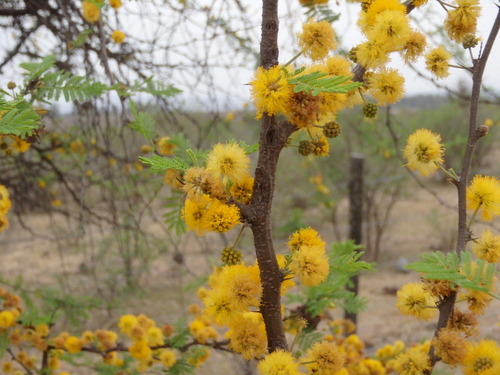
(345, 263)
(55, 305)
(154, 88)
(144, 123)
(181, 337)
(321, 12)
(249, 149)
(81, 38)
(36, 69)
(305, 339)
(71, 87)
(317, 82)
(4, 343)
(20, 118)
(173, 215)
(160, 164)
(462, 270)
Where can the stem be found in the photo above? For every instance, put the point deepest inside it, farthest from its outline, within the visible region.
(272, 139)
(293, 58)
(238, 237)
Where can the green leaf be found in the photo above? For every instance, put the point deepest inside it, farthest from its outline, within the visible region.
(71, 87)
(143, 123)
(81, 38)
(159, 164)
(36, 69)
(318, 82)
(19, 119)
(305, 339)
(4, 343)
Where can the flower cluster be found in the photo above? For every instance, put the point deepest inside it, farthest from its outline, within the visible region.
(5, 205)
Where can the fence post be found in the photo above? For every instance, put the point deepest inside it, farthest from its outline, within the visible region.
(355, 214)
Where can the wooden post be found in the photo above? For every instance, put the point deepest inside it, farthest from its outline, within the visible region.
(355, 214)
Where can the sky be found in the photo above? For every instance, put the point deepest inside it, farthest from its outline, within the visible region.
(228, 89)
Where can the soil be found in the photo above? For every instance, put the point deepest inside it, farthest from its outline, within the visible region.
(418, 223)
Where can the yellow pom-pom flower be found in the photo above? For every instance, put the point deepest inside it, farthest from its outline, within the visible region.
(482, 358)
(305, 237)
(317, 39)
(279, 362)
(484, 194)
(487, 247)
(310, 264)
(247, 335)
(324, 358)
(73, 344)
(462, 20)
(387, 86)
(391, 28)
(437, 61)
(413, 299)
(118, 36)
(168, 358)
(91, 13)
(229, 161)
(221, 217)
(271, 91)
(412, 362)
(115, 4)
(423, 150)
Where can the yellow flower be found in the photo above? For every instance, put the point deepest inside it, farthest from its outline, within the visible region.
(414, 46)
(194, 213)
(91, 13)
(450, 346)
(242, 191)
(324, 358)
(165, 146)
(462, 20)
(242, 284)
(482, 358)
(168, 358)
(115, 3)
(368, 18)
(423, 150)
(317, 39)
(218, 306)
(247, 335)
(271, 91)
(118, 36)
(154, 336)
(229, 161)
(338, 66)
(305, 237)
(484, 194)
(477, 301)
(310, 264)
(387, 86)
(20, 145)
(279, 362)
(7, 319)
(391, 28)
(305, 109)
(5, 202)
(73, 344)
(412, 362)
(140, 350)
(372, 54)
(488, 122)
(487, 247)
(413, 299)
(221, 217)
(437, 62)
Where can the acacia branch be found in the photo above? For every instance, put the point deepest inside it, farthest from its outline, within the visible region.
(447, 305)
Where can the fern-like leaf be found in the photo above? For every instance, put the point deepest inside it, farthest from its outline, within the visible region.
(318, 82)
(19, 118)
(71, 87)
(143, 123)
(159, 164)
(36, 69)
